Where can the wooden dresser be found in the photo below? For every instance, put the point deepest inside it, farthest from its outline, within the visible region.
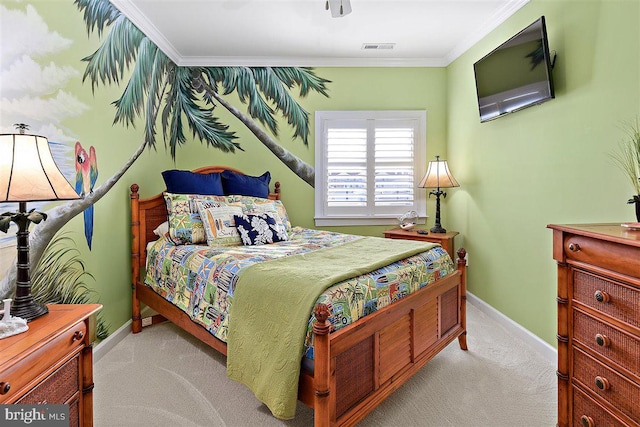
(598, 324)
(52, 363)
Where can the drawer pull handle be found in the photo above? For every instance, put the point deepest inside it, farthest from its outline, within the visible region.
(77, 336)
(4, 388)
(602, 383)
(587, 421)
(574, 247)
(601, 296)
(602, 340)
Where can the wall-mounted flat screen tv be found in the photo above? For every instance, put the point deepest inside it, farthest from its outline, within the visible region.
(515, 75)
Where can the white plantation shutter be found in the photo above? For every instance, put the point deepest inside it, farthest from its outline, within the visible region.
(346, 167)
(368, 165)
(394, 183)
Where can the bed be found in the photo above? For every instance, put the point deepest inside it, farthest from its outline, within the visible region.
(347, 371)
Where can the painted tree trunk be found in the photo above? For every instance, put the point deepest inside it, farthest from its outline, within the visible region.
(302, 169)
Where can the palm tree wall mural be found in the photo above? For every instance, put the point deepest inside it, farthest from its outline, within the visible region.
(158, 86)
(181, 100)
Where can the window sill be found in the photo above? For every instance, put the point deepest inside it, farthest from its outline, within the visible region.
(347, 221)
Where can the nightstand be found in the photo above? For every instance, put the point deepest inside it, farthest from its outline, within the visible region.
(52, 362)
(445, 239)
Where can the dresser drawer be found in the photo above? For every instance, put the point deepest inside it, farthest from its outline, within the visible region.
(610, 255)
(34, 364)
(606, 383)
(58, 387)
(588, 413)
(610, 342)
(613, 298)
(74, 413)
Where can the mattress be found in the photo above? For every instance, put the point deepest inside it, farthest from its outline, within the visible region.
(200, 280)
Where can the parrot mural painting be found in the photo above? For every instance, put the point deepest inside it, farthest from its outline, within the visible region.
(86, 176)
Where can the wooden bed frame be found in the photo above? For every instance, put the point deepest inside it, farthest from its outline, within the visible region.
(355, 368)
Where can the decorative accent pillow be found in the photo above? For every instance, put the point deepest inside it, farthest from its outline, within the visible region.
(187, 182)
(162, 229)
(255, 205)
(246, 185)
(185, 224)
(259, 229)
(218, 219)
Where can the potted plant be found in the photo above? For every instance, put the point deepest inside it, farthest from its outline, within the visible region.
(627, 157)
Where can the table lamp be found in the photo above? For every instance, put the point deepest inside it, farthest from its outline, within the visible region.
(438, 176)
(28, 173)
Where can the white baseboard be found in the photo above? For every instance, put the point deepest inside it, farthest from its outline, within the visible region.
(545, 349)
(542, 347)
(108, 343)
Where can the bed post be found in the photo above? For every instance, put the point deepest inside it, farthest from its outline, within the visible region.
(462, 268)
(276, 191)
(321, 372)
(136, 320)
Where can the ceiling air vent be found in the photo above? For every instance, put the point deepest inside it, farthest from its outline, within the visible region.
(378, 46)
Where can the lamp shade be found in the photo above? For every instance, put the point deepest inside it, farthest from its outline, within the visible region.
(28, 171)
(438, 176)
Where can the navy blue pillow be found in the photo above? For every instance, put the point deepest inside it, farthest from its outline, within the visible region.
(246, 185)
(259, 229)
(187, 182)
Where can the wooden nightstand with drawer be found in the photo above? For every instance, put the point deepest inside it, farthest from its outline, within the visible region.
(445, 239)
(52, 362)
(598, 324)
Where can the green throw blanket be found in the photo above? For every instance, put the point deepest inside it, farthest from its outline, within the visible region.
(271, 308)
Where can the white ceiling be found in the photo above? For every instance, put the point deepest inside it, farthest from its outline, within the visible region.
(302, 33)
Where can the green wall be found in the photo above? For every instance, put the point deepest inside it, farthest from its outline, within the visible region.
(545, 164)
(350, 89)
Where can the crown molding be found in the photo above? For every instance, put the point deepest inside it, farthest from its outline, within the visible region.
(133, 13)
(140, 20)
(502, 15)
(253, 61)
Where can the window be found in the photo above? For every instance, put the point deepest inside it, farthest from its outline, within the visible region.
(368, 166)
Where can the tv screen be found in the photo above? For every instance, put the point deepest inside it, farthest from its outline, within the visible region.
(515, 75)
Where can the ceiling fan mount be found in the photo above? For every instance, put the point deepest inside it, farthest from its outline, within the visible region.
(338, 8)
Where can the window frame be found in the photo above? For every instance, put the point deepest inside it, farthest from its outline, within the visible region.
(323, 216)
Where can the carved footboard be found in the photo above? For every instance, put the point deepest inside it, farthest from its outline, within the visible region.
(357, 367)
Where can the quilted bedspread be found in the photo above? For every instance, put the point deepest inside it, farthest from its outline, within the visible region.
(272, 305)
(201, 280)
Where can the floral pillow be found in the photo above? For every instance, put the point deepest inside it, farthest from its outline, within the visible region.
(218, 219)
(256, 205)
(259, 229)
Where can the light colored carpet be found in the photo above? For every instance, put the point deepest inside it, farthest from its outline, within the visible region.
(164, 377)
